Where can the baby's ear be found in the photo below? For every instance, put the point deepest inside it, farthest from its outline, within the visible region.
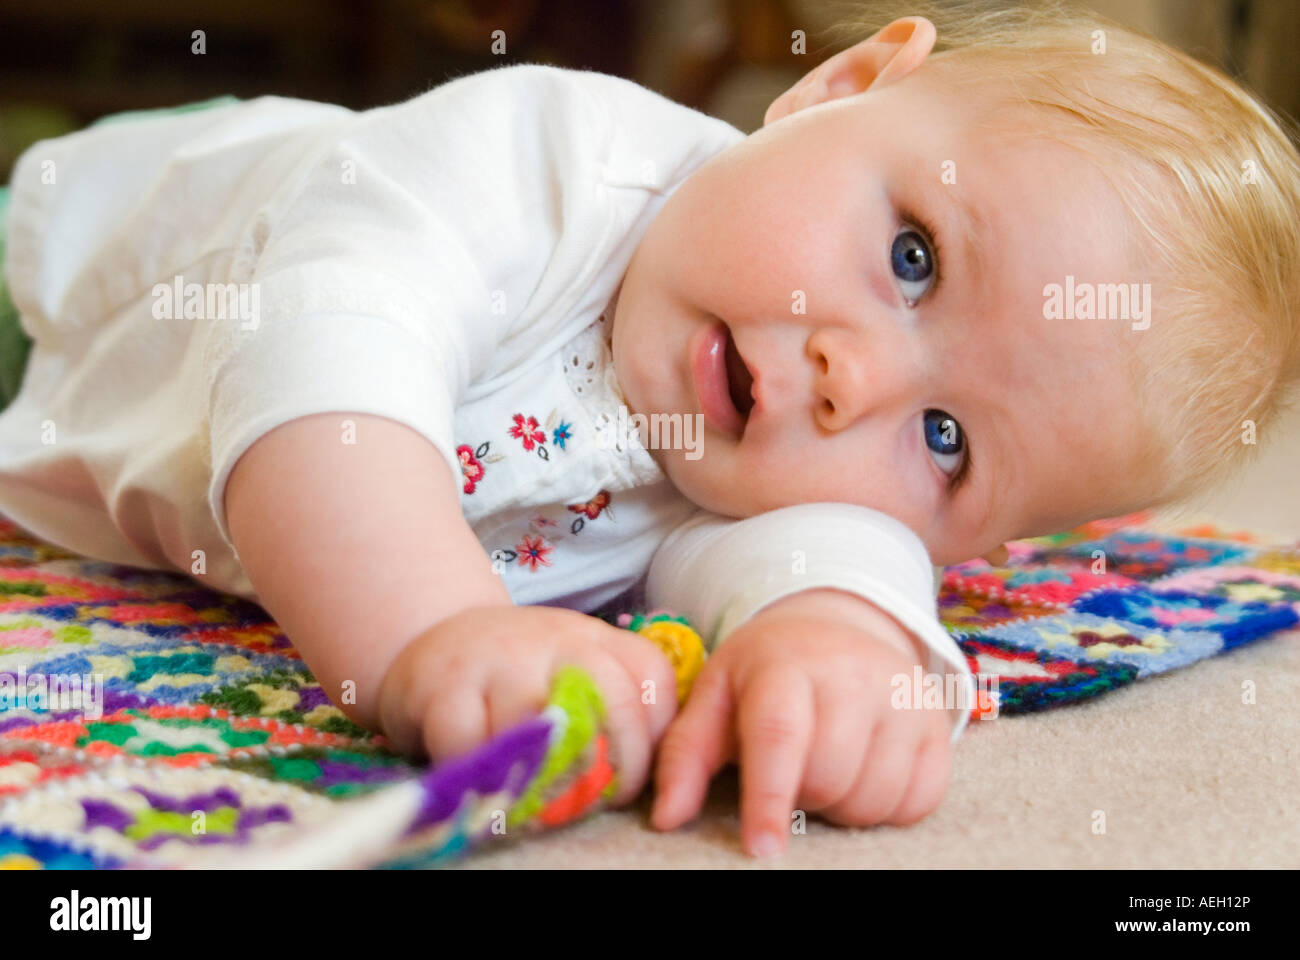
(890, 54)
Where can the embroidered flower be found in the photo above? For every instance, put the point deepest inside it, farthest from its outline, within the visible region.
(526, 430)
(470, 466)
(593, 506)
(560, 434)
(533, 551)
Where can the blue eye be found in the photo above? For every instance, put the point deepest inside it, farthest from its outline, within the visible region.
(944, 438)
(913, 264)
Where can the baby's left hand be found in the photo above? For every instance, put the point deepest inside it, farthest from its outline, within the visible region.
(800, 694)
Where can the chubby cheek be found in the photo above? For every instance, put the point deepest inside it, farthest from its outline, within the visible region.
(648, 342)
(736, 481)
(722, 481)
(743, 250)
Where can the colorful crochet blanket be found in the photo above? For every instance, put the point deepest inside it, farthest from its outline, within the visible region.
(145, 721)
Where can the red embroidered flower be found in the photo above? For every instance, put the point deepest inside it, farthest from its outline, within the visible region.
(527, 430)
(593, 506)
(532, 551)
(470, 466)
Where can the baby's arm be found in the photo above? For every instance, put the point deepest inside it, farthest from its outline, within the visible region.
(362, 555)
(814, 613)
(354, 548)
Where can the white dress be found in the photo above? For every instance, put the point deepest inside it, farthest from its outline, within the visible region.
(449, 263)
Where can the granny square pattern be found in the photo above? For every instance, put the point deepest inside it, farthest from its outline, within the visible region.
(147, 722)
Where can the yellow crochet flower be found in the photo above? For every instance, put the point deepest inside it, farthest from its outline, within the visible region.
(682, 646)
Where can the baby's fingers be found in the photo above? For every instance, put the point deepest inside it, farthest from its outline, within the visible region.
(775, 726)
(626, 720)
(516, 694)
(455, 722)
(469, 708)
(653, 675)
(883, 778)
(695, 747)
(930, 778)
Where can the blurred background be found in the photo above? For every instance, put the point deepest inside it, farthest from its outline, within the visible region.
(64, 63)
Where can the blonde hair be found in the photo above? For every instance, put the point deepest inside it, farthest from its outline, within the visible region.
(1222, 357)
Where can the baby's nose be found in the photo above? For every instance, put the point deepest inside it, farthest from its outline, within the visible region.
(850, 377)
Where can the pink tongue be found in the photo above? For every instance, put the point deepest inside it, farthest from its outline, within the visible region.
(738, 379)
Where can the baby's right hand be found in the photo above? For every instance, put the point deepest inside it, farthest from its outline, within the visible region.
(488, 668)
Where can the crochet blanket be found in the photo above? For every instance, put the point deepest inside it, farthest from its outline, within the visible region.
(145, 721)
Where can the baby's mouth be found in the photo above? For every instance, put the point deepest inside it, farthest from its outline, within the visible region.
(723, 383)
(740, 381)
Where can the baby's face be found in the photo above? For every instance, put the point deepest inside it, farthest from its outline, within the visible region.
(891, 367)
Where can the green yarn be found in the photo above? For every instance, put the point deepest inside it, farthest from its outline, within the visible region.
(26, 588)
(639, 620)
(245, 738)
(115, 733)
(238, 700)
(74, 633)
(148, 823)
(342, 726)
(576, 694)
(165, 750)
(295, 768)
(241, 700)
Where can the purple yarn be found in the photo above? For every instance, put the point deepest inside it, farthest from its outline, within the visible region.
(335, 772)
(221, 797)
(101, 813)
(514, 757)
(310, 698)
(249, 819)
(115, 700)
(260, 816)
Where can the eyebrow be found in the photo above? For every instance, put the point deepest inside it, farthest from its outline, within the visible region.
(965, 222)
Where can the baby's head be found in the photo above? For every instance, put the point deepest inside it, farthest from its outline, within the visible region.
(904, 256)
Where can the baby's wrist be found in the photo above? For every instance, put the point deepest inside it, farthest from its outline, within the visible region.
(850, 608)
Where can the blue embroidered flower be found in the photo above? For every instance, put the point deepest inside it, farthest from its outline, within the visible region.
(560, 434)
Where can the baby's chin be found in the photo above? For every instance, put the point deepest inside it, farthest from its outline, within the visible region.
(694, 482)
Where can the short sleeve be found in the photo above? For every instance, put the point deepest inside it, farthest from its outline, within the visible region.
(322, 363)
(408, 247)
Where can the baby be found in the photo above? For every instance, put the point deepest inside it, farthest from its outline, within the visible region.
(371, 370)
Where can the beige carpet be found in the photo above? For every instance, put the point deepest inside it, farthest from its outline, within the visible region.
(1185, 773)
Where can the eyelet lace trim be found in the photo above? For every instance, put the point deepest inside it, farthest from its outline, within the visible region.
(589, 369)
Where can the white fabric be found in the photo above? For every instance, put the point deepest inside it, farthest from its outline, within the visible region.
(448, 262)
(784, 551)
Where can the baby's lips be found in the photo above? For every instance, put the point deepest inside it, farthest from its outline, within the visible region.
(709, 370)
